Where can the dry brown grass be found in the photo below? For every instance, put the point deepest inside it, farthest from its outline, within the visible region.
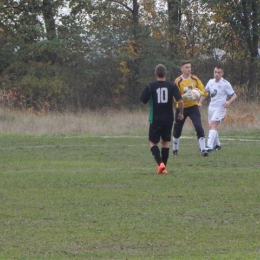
(90, 123)
(241, 116)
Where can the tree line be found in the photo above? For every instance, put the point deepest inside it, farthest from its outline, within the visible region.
(89, 54)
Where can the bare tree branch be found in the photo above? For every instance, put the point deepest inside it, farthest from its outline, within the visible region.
(122, 4)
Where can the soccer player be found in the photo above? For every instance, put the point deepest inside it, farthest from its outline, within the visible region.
(222, 95)
(160, 94)
(185, 82)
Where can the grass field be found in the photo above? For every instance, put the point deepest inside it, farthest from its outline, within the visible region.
(99, 197)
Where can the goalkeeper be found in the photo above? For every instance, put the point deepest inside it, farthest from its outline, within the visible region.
(185, 82)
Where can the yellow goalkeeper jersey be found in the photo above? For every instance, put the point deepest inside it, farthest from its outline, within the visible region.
(185, 84)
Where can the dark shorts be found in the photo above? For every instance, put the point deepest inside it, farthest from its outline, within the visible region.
(157, 132)
(194, 114)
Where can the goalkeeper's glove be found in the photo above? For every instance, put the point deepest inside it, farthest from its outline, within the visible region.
(191, 96)
(188, 95)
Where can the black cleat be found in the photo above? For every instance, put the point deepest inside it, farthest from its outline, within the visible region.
(217, 147)
(174, 152)
(204, 153)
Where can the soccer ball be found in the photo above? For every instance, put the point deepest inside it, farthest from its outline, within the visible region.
(195, 94)
(192, 94)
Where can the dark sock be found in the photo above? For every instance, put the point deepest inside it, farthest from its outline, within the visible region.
(156, 154)
(165, 155)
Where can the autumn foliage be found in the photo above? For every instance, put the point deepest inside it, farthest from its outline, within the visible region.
(94, 54)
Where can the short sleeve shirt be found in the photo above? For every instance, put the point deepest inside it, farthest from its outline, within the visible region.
(160, 95)
(218, 92)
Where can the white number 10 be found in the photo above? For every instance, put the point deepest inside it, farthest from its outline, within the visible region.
(162, 95)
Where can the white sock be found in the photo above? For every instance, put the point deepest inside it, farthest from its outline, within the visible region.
(217, 140)
(211, 138)
(202, 143)
(175, 143)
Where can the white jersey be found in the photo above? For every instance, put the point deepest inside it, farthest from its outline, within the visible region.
(218, 92)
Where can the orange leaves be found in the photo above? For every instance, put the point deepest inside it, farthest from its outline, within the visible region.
(241, 119)
(157, 34)
(123, 67)
(13, 98)
(149, 6)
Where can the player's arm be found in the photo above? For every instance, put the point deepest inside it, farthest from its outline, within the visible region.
(176, 82)
(146, 94)
(178, 98)
(180, 105)
(203, 91)
(202, 98)
(201, 88)
(231, 99)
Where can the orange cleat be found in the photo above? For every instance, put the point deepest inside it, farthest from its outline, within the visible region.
(164, 171)
(161, 169)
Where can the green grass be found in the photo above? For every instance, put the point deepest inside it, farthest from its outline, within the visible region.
(82, 197)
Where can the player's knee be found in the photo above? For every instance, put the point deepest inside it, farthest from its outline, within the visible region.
(176, 135)
(177, 132)
(200, 133)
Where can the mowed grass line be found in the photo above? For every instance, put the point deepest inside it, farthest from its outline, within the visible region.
(100, 198)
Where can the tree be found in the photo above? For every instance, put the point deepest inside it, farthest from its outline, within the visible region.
(243, 17)
(102, 52)
(134, 45)
(174, 23)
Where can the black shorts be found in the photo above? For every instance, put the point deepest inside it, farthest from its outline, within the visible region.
(194, 114)
(157, 132)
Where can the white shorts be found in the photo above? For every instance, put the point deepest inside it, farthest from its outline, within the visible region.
(216, 114)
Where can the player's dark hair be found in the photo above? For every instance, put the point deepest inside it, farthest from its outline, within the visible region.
(184, 62)
(219, 66)
(160, 71)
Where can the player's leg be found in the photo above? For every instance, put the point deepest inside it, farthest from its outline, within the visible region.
(165, 155)
(214, 118)
(166, 138)
(177, 130)
(217, 142)
(154, 138)
(195, 117)
(212, 135)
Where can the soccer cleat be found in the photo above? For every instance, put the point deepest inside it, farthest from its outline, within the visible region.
(208, 149)
(174, 152)
(204, 153)
(217, 147)
(161, 169)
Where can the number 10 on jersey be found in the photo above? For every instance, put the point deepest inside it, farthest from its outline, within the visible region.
(162, 95)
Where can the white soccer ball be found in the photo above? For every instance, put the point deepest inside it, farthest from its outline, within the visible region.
(195, 94)
(192, 94)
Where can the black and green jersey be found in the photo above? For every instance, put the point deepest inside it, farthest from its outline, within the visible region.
(160, 95)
